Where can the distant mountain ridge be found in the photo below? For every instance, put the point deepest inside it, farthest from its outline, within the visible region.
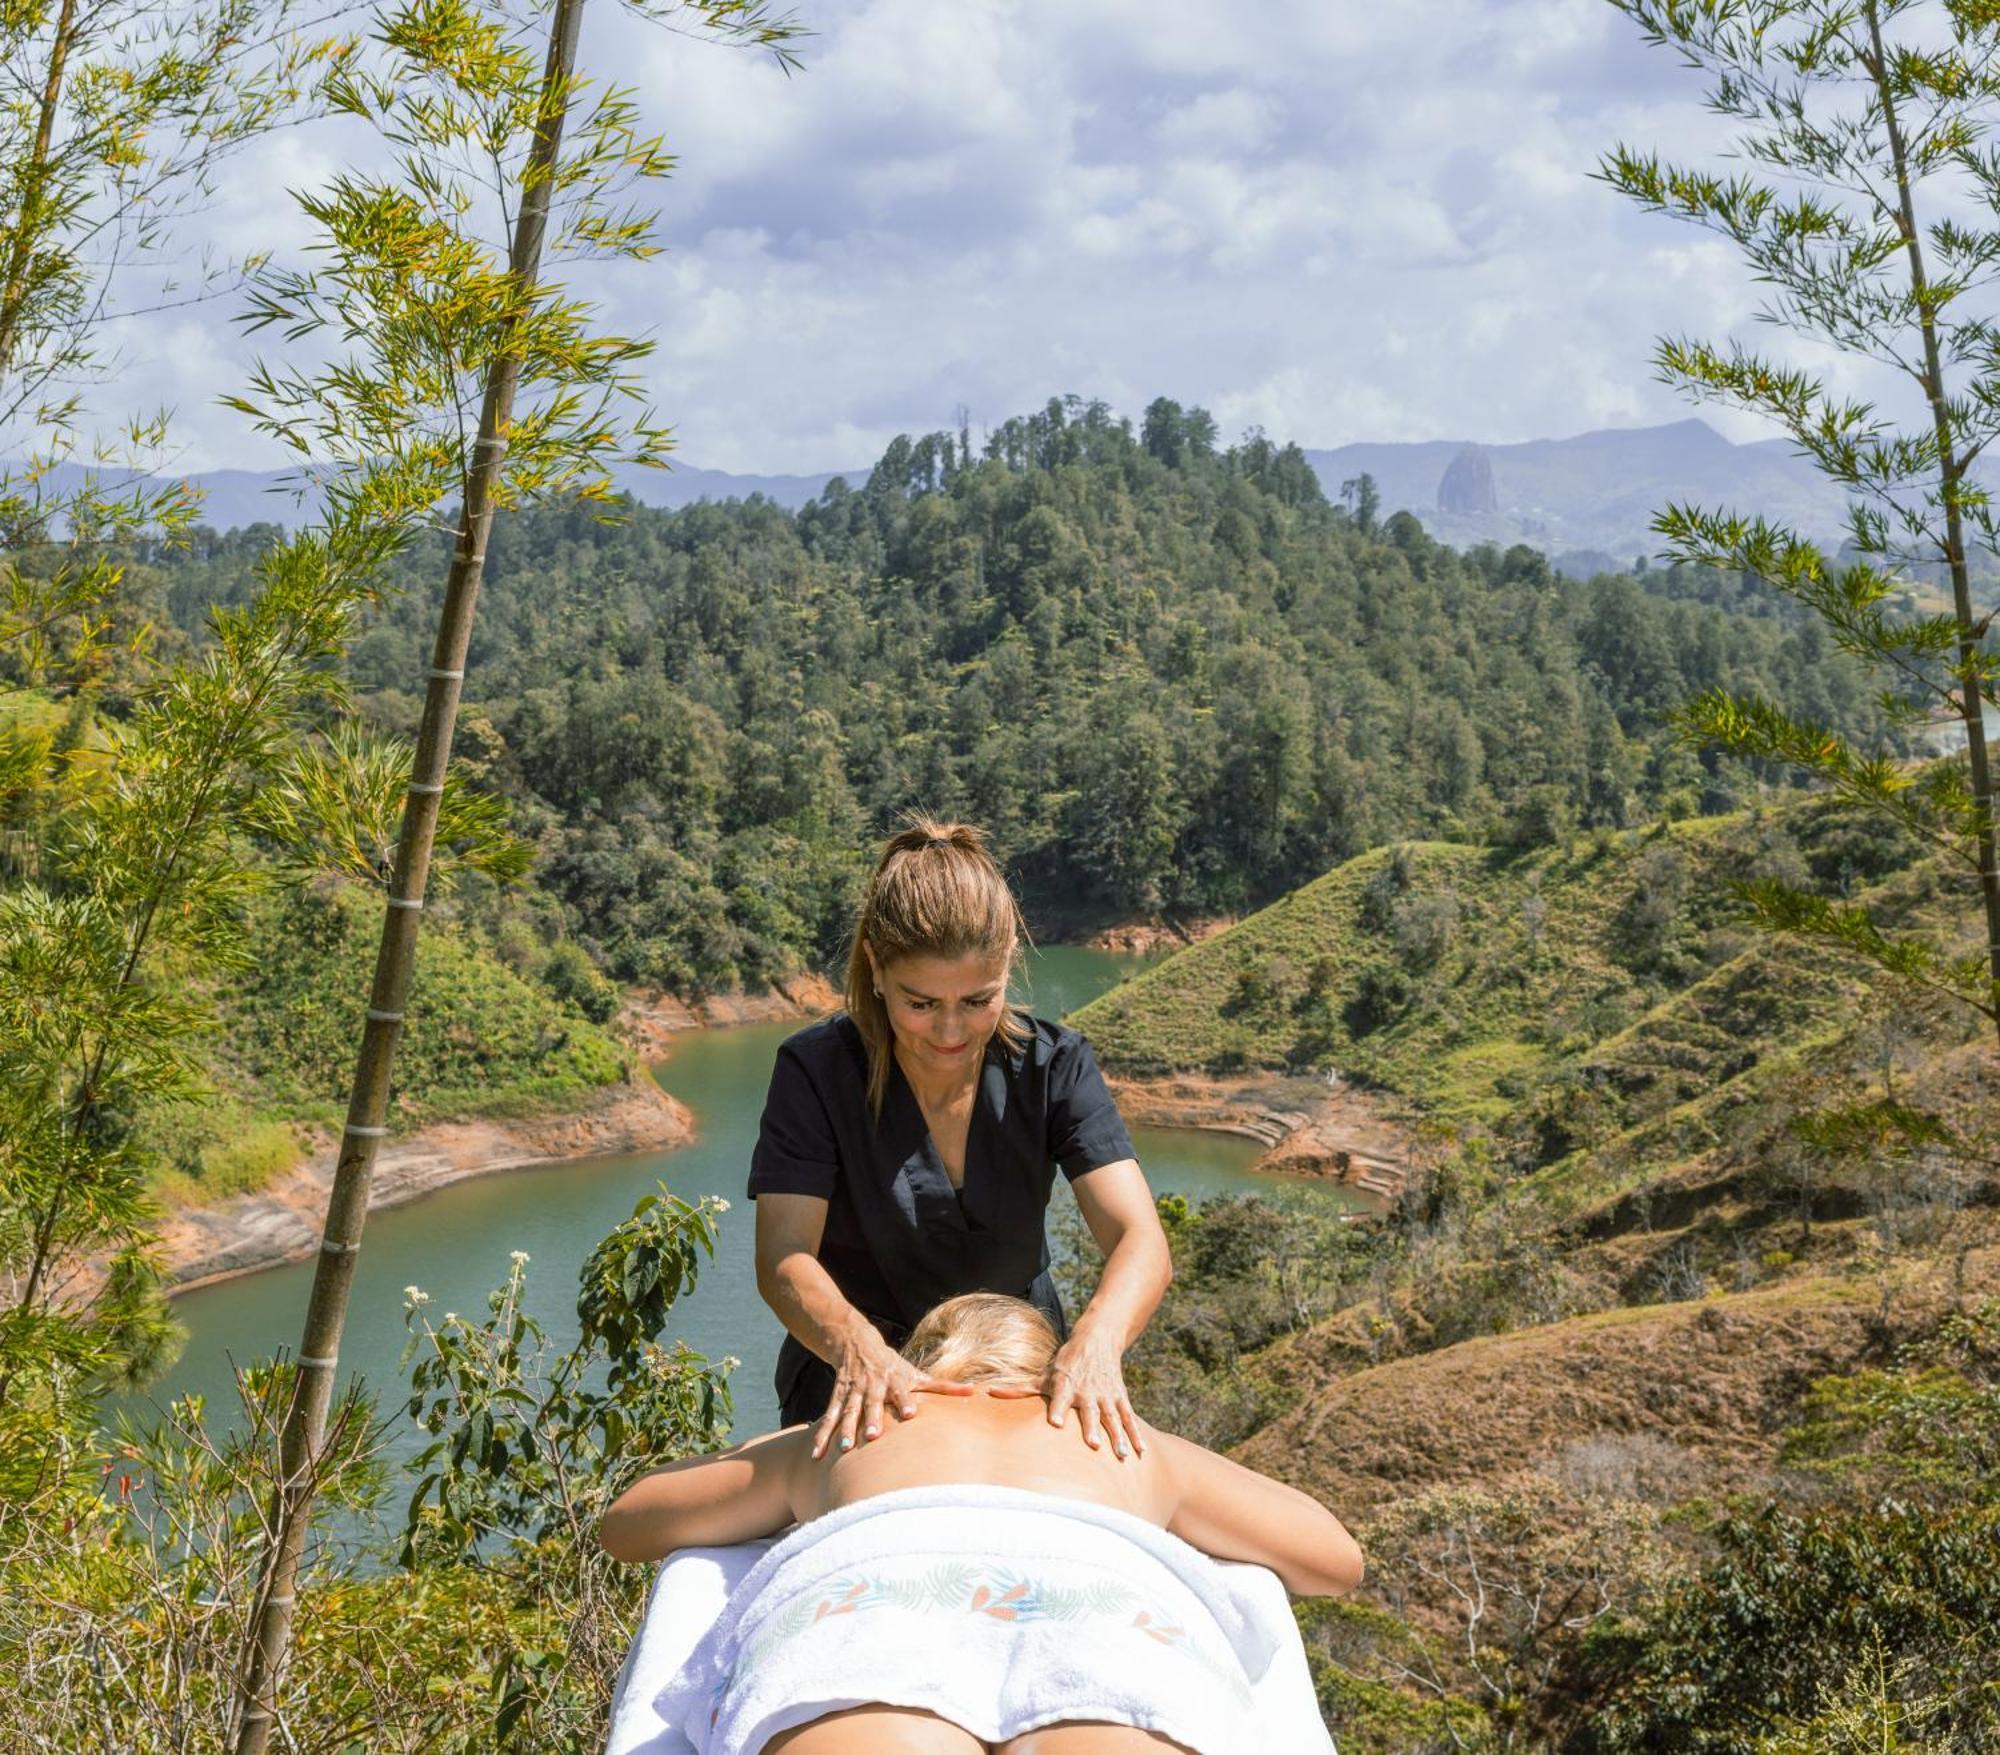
(235, 498)
(1597, 491)
(1592, 496)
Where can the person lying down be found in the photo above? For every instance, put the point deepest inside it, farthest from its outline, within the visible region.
(976, 1581)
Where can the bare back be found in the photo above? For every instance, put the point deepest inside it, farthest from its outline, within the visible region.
(988, 1440)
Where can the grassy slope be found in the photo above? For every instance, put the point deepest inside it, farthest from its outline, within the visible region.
(1634, 1080)
(1623, 1061)
(480, 1041)
(1549, 972)
(1717, 1378)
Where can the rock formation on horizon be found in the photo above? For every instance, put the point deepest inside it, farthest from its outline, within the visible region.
(1467, 486)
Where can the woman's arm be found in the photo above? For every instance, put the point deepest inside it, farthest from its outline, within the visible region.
(1088, 1372)
(1235, 1513)
(869, 1374)
(708, 1501)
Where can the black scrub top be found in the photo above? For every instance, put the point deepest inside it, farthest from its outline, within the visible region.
(899, 1239)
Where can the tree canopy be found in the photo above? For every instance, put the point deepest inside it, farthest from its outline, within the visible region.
(1166, 676)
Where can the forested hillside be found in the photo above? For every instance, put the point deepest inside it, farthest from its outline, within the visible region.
(1166, 676)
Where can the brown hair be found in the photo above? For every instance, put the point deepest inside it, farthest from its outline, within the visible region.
(984, 1337)
(937, 892)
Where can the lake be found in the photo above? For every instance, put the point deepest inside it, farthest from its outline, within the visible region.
(455, 1243)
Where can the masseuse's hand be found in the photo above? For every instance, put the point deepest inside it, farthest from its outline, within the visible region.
(870, 1378)
(1088, 1374)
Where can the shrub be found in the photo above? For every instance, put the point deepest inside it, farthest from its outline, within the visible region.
(1544, 818)
(1382, 992)
(1423, 927)
(124, 1596)
(574, 979)
(1875, 1607)
(1389, 882)
(1516, 1576)
(1791, 1608)
(1648, 928)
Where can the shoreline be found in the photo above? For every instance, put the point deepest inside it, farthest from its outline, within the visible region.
(1144, 935)
(1308, 1129)
(281, 1223)
(649, 1019)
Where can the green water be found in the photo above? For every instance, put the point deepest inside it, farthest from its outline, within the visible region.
(455, 1243)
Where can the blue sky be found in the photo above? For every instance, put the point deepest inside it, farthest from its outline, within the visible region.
(1336, 219)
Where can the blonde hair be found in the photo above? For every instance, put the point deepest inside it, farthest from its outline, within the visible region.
(937, 892)
(984, 1337)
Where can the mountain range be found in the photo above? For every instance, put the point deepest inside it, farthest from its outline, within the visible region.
(1587, 500)
(1593, 495)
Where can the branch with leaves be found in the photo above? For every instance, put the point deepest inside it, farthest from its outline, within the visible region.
(1853, 134)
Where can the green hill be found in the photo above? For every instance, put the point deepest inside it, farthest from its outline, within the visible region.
(1163, 674)
(481, 1040)
(1467, 979)
(1652, 1324)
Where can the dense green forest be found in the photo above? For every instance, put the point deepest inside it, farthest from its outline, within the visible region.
(1166, 677)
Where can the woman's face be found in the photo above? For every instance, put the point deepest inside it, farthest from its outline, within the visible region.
(943, 1010)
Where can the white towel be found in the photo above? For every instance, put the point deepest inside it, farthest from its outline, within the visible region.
(1076, 1610)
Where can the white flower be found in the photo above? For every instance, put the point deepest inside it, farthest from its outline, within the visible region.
(519, 1258)
(416, 1296)
(721, 1205)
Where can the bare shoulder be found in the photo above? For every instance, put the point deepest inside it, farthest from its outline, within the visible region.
(788, 1455)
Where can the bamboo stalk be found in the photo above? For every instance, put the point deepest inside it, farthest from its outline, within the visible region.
(1970, 705)
(301, 1447)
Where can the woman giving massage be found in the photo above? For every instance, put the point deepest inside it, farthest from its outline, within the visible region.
(980, 1580)
(909, 1146)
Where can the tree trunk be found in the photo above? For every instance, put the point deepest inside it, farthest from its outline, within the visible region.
(1971, 706)
(347, 1204)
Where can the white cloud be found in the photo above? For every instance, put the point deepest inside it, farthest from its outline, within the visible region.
(1220, 121)
(1337, 221)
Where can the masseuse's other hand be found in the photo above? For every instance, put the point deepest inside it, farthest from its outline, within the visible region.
(1088, 1375)
(870, 1381)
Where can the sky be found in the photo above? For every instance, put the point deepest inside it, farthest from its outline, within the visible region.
(1335, 220)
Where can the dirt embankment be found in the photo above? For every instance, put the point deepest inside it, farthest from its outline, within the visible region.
(1143, 937)
(282, 1222)
(1307, 1127)
(649, 1020)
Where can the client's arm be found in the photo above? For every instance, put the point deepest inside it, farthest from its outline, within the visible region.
(1235, 1513)
(708, 1501)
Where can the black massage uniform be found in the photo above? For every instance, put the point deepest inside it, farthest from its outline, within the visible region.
(899, 1239)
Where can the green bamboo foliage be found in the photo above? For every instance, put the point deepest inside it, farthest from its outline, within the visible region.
(120, 116)
(145, 873)
(129, 849)
(1868, 208)
(467, 373)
